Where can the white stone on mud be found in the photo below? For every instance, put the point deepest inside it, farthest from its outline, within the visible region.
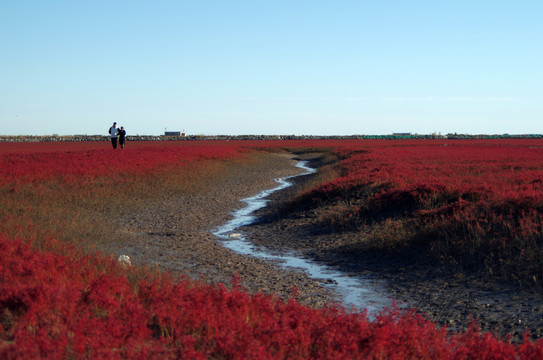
(235, 236)
(124, 261)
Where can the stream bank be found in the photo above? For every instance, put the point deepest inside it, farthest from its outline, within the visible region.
(174, 234)
(414, 281)
(357, 293)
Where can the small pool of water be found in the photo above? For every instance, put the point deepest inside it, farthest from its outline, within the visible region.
(358, 292)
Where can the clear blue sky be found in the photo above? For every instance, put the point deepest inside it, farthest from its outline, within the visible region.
(271, 67)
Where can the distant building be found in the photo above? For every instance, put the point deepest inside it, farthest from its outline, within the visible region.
(173, 133)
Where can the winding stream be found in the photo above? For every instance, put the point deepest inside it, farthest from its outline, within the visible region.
(358, 292)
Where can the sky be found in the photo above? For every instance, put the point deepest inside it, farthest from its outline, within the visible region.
(271, 67)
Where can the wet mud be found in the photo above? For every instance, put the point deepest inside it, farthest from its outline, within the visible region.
(176, 235)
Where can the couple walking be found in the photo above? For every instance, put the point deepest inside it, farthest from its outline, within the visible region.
(117, 133)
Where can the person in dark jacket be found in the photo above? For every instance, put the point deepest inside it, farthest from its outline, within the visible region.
(122, 137)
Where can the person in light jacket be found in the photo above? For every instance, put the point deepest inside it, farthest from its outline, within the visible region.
(113, 133)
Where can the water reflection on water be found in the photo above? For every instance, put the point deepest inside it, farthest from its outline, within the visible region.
(357, 292)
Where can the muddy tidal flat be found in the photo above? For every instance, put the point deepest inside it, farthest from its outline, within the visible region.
(176, 234)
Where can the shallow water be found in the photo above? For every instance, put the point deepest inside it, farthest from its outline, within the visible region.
(358, 292)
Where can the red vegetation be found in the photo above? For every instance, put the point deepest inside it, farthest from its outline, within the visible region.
(57, 301)
(76, 161)
(479, 203)
(64, 306)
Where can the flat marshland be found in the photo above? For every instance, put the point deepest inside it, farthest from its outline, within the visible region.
(455, 227)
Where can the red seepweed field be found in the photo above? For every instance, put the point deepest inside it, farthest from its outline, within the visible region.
(476, 204)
